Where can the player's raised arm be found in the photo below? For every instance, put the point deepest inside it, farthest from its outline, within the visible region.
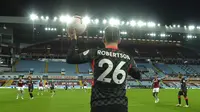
(73, 57)
(134, 71)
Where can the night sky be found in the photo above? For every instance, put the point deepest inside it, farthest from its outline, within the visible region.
(182, 12)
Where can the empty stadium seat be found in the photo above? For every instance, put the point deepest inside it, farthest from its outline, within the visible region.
(84, 67)
(176, 68)
(164, 68)
(25, 65)
(57, 66)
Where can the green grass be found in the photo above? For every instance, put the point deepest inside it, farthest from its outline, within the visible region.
(140, 100)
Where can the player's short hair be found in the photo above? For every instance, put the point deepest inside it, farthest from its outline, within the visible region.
(112, 34)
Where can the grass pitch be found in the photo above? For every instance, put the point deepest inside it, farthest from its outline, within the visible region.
(140, 100)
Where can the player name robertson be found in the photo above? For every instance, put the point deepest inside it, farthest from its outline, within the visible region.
(112, 54)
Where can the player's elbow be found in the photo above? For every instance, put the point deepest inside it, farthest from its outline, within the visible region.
(136, 74)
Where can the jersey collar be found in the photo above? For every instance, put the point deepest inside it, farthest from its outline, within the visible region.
(112, 47)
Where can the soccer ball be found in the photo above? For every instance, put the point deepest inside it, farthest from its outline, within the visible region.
(77, 24)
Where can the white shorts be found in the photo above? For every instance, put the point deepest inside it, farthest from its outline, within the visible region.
(46, 86)
(85, 87)
(41, 88)
(20, 88)
(156, 90)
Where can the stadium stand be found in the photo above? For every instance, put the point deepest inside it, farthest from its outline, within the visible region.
(177, 68)
(25, 65)
(84, 67)
(164, 68)
(57, 66)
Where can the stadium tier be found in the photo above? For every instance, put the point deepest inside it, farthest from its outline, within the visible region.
(26, 65)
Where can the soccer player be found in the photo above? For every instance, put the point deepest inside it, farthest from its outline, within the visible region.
(73, 88)
(30, 87)
(183, 91)
(85, 86)
(66, 85)
(41, 88)
(20, 89)
(52, 89)
(156, 86)
(46, 86)
(111, 67)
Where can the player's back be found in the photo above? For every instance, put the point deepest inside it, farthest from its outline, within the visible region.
(110, 67)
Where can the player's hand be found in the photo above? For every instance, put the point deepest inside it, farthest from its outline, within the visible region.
(72, 34)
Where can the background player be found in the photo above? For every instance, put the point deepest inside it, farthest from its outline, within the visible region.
(52, 89)
(85, 86)
(72, 86)
(66, 85)
(46, 87)
(30, 87)
(111, 67)
(156, 87)
(40, 88)
(183, 91)
(20, 89)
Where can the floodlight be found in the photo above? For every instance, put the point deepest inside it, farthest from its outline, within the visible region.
(68, 19)
(55, 19)
(152, 34)
(63, 29)
(158, 24)
(42, 17)
(46, 28)
(86, 20)
(189, 36)
(47, 18)
(104, 21)
(100, 31)
(114, 22)
(122, 23)
(162, 35)
(96, 21)
(178, 26)
(191, 27)
(33, 17)
(133, 23)
(141, 23)
(127, 23)
(52, 29)
(151, 24)
(55, 29)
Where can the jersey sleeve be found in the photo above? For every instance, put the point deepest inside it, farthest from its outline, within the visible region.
(74, 58)
(133, 70)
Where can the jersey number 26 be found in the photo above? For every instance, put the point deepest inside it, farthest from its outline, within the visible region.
(116, 72)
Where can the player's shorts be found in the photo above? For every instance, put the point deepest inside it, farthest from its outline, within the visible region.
(52, 88)
(30, 89)
(46, 86)
(184, 93)
(20, 88)
(40, 88)
(110, 108)
(85, 87)
(156, 90)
